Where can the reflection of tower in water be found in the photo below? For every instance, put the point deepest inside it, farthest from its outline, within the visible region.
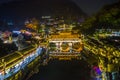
(19, 41)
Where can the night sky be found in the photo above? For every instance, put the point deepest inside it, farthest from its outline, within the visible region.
(92, 6)
(88, 6)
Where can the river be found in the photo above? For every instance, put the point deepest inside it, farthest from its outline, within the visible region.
(63, 70)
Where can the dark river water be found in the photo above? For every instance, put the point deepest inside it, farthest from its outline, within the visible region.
(63, 70)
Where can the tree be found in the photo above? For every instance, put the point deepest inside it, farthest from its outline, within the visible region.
(88, 24)
(107, 17)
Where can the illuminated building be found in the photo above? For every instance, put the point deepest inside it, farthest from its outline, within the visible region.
(13, 63)
(65, 45)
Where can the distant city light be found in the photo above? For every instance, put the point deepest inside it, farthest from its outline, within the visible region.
(97, 69)
(17, 32)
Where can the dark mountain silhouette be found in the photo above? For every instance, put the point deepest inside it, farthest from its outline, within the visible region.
(109, 16)
(107, 8)
(37, 8)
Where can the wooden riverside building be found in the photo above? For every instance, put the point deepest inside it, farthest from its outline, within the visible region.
(65, 45)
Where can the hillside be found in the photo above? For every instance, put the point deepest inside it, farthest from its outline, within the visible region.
(107, 18)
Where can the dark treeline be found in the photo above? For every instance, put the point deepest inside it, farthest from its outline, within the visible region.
(107, 18)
